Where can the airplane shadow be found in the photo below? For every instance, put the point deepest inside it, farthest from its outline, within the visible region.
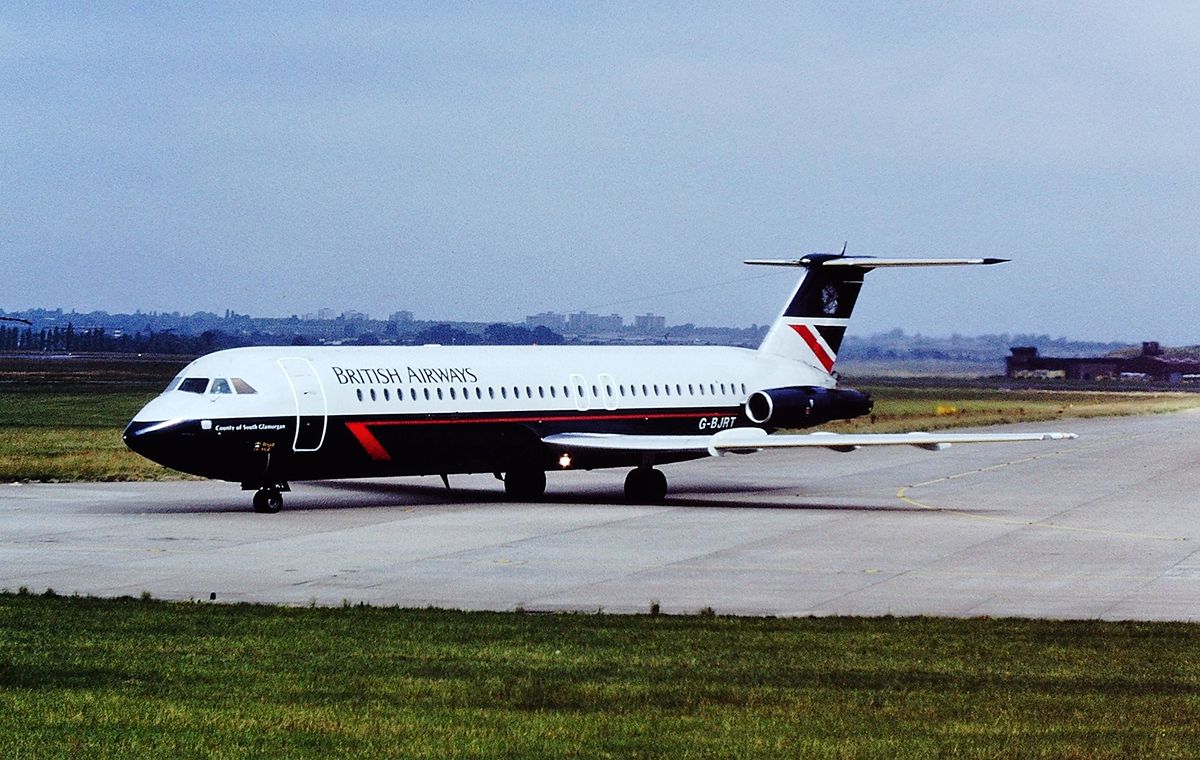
(375, 494)
(407, 494)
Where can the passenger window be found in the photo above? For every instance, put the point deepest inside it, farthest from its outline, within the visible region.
(541, 392)
(453, 396)
(412, 393)
(528, 392)
(553, 393)
(358, 392)
(478, 392)
(399, 394)
(666, 390)
(491, 392)
(194, 385)
(426, 394)
(743, 388)
(722, 389)
(387, 395)
(439, 393)
(678, 389)
(241, 386)
(221, 385)
(503, 392)
(372, 394)
(644, 391)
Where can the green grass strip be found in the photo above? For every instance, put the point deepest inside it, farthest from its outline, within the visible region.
(84, 677)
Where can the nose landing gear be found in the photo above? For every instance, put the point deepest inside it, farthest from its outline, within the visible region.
(268, 499)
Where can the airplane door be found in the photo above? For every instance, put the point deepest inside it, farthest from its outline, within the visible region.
(312, 413)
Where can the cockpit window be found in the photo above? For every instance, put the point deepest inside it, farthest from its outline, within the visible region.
(174, 384)
(221, 385)
(241, 386)
(194, 385)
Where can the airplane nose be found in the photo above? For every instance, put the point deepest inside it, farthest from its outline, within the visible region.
(153, 440)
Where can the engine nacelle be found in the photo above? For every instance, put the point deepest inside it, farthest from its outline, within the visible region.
(805, 406)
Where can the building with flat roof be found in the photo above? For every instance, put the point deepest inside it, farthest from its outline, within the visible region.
(1151, 364)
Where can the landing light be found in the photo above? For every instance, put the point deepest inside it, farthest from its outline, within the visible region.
(564, 461)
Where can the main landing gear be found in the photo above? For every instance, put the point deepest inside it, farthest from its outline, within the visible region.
(645, 485)
(525, 485)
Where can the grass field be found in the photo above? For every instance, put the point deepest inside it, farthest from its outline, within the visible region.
(901, 408)
(93, 678)
(55, 432)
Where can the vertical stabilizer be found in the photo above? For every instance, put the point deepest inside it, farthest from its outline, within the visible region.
(812, 325)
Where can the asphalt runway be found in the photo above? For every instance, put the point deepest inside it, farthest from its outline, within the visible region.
(1106, 526)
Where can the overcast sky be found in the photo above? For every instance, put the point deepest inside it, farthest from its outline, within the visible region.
(484, 162)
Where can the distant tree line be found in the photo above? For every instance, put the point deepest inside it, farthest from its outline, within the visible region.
(69, 340)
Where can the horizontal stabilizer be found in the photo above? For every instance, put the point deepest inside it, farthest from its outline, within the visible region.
(868, 262)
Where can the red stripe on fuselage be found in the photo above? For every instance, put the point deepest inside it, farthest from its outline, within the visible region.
(368, 441)
(815, 344)
(361, 429)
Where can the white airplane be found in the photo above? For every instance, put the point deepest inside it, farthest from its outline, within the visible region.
(266, 416)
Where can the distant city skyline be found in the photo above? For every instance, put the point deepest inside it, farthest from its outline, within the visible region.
(589, 324)
(501, 160)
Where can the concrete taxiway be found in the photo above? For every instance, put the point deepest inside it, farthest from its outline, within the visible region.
(1103, 527)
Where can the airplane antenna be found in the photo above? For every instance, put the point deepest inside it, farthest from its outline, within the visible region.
(844, 244)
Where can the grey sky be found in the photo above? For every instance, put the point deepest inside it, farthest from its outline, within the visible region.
(487, 162)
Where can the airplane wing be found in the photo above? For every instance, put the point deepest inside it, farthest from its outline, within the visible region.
(750, 440)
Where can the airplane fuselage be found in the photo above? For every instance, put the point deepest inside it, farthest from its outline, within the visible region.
(266, 415)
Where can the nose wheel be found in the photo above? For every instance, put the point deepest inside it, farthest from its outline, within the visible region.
(268, 501)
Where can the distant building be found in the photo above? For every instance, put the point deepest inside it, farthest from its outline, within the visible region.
(548, 319)
(649, 323)
(582, 322)
(1151, 364)
(401, 316)
(354, 316)
(326, 314)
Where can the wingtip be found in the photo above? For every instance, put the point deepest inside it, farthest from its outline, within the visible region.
(996, 261)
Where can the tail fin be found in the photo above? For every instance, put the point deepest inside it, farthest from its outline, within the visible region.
(812, 325)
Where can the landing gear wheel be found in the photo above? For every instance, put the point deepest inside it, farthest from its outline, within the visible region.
(525, 485)
(268, 501)
(645, 485)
